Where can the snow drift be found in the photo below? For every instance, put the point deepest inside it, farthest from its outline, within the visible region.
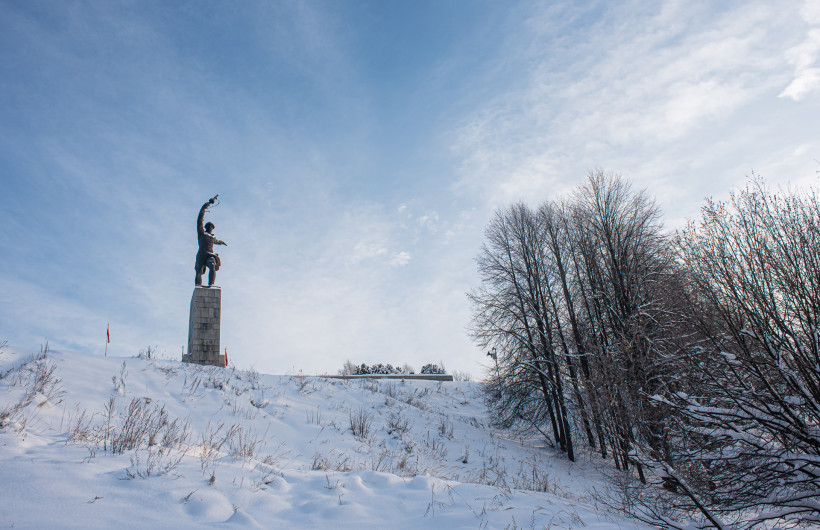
(90, 442)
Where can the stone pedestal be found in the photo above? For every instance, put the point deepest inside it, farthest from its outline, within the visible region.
(203, 327)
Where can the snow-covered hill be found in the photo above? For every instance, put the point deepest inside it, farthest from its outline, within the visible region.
(90, 442)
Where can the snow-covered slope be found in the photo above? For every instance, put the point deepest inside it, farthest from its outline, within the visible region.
(89, 442)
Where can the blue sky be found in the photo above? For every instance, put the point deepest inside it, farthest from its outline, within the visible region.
(359, 149)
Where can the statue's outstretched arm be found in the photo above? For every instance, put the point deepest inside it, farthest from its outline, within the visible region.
(219, 242)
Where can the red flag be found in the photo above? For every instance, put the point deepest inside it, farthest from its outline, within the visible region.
(226, 357)
(107, 334)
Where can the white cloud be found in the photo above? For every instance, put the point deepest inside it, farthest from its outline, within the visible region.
(807, 81)
(364, 250)
(400, 259)
(429, 221)
(810, 11)
(806, 75)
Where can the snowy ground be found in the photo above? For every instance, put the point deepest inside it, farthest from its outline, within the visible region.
(201, 446)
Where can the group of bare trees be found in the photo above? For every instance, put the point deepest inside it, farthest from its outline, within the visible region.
(692, 360)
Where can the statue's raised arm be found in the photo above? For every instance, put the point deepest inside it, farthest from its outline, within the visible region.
(205, 256)
(199, 227)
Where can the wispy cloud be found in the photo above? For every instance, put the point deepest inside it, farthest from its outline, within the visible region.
(639, 86)
(351, 226)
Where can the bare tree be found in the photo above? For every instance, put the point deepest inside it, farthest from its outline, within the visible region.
(575, 288)
(623, 264)
(509, 315)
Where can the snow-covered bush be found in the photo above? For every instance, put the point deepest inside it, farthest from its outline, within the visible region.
(752, 416)
(379, 369)
(432, 369)
(388, 369)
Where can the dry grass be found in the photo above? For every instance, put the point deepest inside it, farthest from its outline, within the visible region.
(361, 422)
(37, 376)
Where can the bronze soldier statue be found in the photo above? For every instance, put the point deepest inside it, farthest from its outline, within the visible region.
(206, 257)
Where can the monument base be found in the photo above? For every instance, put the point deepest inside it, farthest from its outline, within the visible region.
(203, 327)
